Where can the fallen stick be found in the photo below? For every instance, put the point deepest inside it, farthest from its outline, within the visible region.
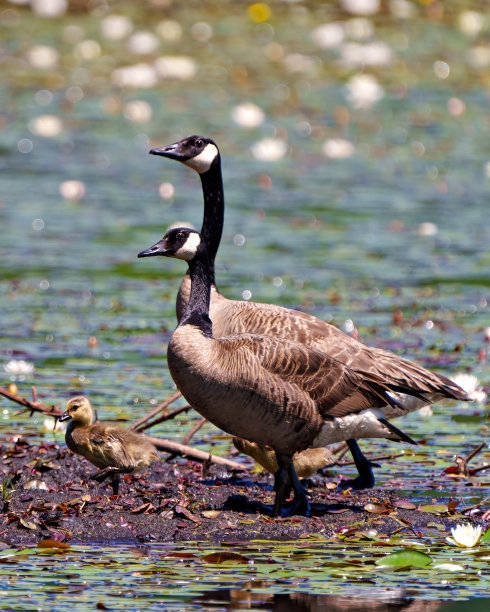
(164, 417)
(193, 453)
(193, 431)
(31, 405)
(155, 411)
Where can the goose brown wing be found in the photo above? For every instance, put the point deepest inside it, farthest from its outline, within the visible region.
(236, 317)
(335, 388)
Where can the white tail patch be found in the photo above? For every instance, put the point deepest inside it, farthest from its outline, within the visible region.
(202, 162)
(188, 250)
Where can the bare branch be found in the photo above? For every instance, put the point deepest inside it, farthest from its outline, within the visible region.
(193, 431)
(164, 417)
(155, 411)
(193, 453)
(34, 406)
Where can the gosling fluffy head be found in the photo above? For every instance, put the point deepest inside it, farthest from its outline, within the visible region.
(78, 409)
(180, 242)
(196, 152)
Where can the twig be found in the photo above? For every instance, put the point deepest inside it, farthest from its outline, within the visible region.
(468, 508)
(155, 411)
(164, 417)
(33, 406)
(194, 430)
(194, 453)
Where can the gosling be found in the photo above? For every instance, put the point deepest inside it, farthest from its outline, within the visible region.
(306, 463)
(114, 450)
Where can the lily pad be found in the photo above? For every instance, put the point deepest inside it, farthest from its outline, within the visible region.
(405, 558)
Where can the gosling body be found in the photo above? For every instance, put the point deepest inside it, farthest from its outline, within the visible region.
(306, 463)
(114, 450)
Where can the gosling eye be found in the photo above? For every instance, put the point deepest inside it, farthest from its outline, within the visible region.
(75, 408)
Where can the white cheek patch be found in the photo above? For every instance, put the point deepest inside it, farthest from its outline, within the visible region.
(188, 250)
(202, 162)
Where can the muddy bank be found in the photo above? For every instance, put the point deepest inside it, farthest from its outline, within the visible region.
(48, 493)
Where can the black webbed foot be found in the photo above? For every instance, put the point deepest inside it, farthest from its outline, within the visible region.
(366, 479)
(285, 479)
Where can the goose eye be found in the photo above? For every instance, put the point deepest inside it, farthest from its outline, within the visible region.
(180, 236)
(199, 143)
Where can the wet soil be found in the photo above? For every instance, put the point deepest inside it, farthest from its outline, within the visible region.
(48, 494)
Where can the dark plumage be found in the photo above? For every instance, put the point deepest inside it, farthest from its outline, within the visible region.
(114, 450)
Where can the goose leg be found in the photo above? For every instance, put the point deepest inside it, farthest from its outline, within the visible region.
(282, 487)
(113, 473)
(366, 479)
(284, 479)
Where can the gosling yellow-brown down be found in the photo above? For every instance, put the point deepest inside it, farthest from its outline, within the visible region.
(306, 463)
(114, 450)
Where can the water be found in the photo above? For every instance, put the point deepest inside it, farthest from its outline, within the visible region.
(377, 207)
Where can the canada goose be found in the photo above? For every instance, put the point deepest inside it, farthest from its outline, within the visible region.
(234, 317)
(114, 450)
(306, 463)
(272, 391)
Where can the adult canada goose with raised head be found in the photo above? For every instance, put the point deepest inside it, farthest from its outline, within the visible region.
(114, 450)
(273, 391)
(233, 317)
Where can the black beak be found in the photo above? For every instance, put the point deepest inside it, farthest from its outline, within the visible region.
(157, 249)
(171, 151)
(64, 417)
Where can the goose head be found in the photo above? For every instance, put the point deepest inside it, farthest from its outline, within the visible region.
(179, 242)
(79, 410)
(197, 152)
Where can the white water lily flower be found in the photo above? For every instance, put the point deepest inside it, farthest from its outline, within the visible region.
(470, 384)
(248, 114)
(18, 367)
(52, 424)
(269, 149)
(363, 90)
(465, 536)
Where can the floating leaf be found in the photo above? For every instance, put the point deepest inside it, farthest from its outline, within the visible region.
(225, 557)
(405, 558)
(434, 508)
(449, 567)
(405, 504)
(47, 543)
(376, 508)
(485, 539)
(437, 526)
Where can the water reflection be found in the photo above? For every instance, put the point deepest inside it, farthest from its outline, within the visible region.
(381, 600)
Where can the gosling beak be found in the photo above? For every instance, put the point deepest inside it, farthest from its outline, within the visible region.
(157, 249)
(171, 151)
(64, 417)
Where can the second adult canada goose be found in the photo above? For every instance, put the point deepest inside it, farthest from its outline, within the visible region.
(234, 317)
(114, 450)
(272, 391)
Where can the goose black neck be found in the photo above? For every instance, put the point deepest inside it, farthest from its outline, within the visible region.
(197, 310)
(214, 209)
